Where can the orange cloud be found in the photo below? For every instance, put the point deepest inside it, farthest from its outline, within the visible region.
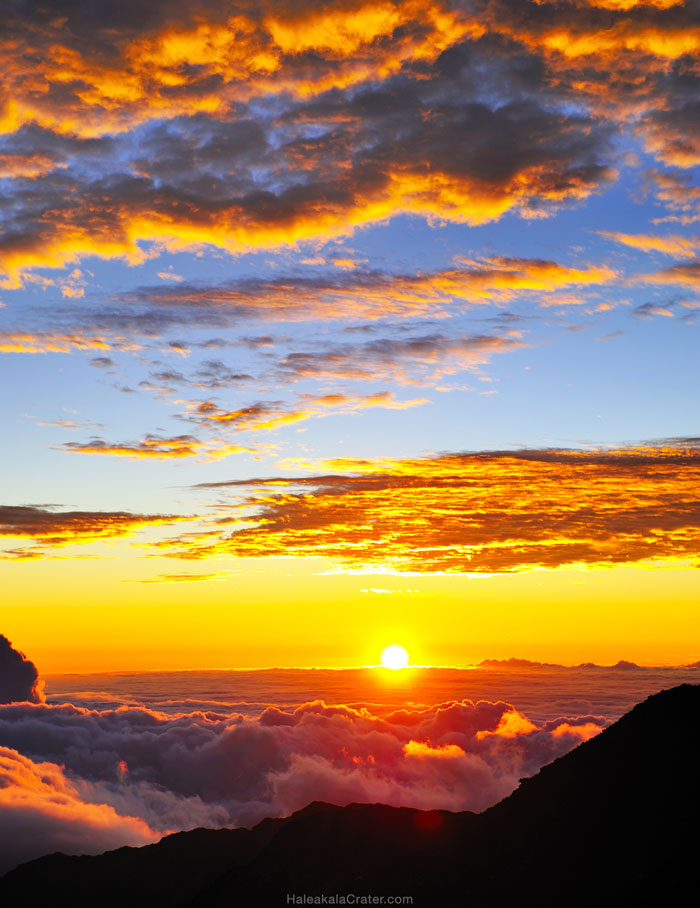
(158, 447)
(116, 223)
(206, 61)
(605, 33)
(373, 295)
(585, 732)
(265, 415)
(52, 528)
(688, 274)
(476, 513)
(48, 342)
(422, 749)
(27, 165)
(44, 811)
(675, 191)
(668, 245)
(511, 724)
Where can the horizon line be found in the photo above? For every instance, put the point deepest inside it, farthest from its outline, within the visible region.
(514, 662)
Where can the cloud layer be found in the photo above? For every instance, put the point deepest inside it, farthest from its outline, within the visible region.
(487, 512)
(85, 780)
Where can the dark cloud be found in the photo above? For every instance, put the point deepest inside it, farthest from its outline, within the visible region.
(651, 310)
(456, 125)
(270, 124)
(19, 677)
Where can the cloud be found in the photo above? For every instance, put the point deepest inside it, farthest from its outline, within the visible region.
(50, 527)
(490, 512)
(674, 189)
(398, 130)
(270, 415)
(262, 416)
(152, 446)
(42, 811)
(649, 310)
(124, 323)
(687, 273)
(367, 294)
(51, 342)
(607, 35)
(273, 124)
(19, 678)
(413, 361)
(158, 447)
(102, 362)
(65, 221)
(215, 768)
(184, 578)
(668, 245)
(673, 135)
(191, 56)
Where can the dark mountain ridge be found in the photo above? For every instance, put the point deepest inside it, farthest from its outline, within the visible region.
(613, 822)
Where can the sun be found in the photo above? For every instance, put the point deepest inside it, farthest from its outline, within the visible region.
(394, 657)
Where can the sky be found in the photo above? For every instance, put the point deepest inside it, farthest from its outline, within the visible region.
(326, 326)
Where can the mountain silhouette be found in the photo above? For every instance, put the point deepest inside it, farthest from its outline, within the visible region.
(612, 823)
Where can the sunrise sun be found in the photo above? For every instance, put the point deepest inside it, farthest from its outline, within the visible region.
(394, 657)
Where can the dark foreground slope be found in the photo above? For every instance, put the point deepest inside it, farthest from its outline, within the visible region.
(613, 823)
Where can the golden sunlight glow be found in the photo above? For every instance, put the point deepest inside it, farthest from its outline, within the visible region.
(394, 657)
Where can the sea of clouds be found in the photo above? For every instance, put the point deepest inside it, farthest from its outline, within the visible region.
(86, 778)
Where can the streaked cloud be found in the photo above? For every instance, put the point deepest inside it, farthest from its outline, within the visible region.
(361, 294)
(49, 342)
(157, 447)
(686, 273)
(670, 244)
(485, 512)
(50, 527)
(413, 361)
(266, 415)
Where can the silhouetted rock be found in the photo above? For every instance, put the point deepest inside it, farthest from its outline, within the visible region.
(612, 823)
